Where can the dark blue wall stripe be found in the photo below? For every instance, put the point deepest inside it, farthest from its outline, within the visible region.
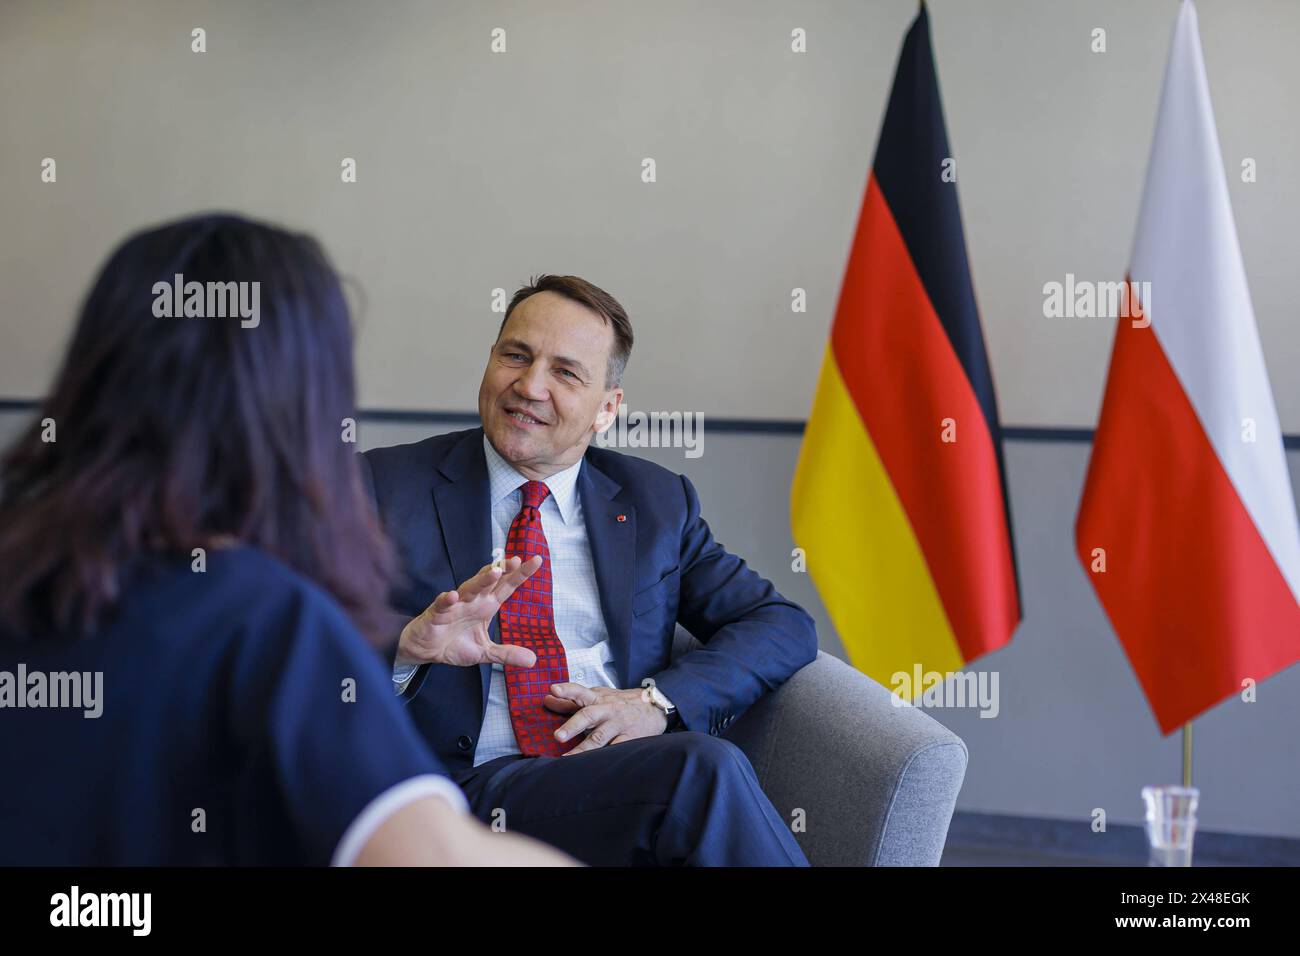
(734, 426)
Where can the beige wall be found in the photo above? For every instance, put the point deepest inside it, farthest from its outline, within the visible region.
(476, 170)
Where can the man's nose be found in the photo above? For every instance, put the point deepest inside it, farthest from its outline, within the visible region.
(531, 385)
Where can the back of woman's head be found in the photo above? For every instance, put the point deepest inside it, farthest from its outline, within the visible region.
(164, 431)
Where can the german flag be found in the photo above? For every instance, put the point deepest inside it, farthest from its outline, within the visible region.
(899, 498)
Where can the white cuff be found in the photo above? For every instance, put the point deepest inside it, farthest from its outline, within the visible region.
(389, 802)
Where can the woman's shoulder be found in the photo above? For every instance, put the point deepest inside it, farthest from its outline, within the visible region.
(241, 572)
(247, 567)
(249, 621)
(236, 589)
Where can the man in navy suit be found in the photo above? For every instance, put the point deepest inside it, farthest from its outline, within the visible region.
(574, 725)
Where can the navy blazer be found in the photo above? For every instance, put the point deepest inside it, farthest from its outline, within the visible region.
(656, 565)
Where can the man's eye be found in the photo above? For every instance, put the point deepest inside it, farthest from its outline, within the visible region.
(565, 371)
(515, 355)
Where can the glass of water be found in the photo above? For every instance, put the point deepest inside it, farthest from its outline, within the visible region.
(1170, 824)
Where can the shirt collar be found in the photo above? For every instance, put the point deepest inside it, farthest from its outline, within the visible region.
(503, 481)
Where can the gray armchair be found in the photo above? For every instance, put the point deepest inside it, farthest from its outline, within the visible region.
(877, 782)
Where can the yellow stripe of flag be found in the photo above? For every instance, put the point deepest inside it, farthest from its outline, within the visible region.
(860, 547)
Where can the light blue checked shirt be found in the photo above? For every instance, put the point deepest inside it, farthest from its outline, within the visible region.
(579, 623)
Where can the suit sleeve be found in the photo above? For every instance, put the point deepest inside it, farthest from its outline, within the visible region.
(754, 639)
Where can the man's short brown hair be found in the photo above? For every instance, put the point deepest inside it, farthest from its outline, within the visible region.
(593, 297)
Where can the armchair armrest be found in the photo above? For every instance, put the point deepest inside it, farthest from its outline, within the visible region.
(876, 781)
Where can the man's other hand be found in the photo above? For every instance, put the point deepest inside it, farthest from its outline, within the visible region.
(605, 715)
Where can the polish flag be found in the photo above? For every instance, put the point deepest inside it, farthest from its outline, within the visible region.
(1187, 528)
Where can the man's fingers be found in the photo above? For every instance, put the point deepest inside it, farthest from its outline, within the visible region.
(560, 705)
(445, 611)
(512, 654)
(598, 736)
(584, 720)
(583, 695)
(444, 601)
(485, 579)
(488, 578)
(517, 572)
(621, 738)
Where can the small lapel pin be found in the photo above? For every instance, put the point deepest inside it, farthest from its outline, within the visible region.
(621, 518)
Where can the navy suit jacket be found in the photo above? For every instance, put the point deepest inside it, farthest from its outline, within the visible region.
(656, 565)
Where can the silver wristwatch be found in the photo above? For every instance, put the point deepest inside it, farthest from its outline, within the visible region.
(657, 697)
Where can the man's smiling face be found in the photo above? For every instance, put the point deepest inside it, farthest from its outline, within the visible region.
(543, 394)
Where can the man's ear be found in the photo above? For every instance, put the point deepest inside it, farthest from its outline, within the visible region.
(608, 410)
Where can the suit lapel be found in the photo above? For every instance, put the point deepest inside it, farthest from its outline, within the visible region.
(611, 532)
(460, 494)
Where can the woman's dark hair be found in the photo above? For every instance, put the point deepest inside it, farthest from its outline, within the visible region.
(176, 433)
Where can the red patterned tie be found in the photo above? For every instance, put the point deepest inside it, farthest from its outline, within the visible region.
(527, 619)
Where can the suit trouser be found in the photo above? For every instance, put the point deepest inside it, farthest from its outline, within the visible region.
(677, 799)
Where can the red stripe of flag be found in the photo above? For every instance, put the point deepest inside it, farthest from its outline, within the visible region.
(1186, 568)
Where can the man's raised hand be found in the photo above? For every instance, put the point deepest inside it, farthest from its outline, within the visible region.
(454, 628)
